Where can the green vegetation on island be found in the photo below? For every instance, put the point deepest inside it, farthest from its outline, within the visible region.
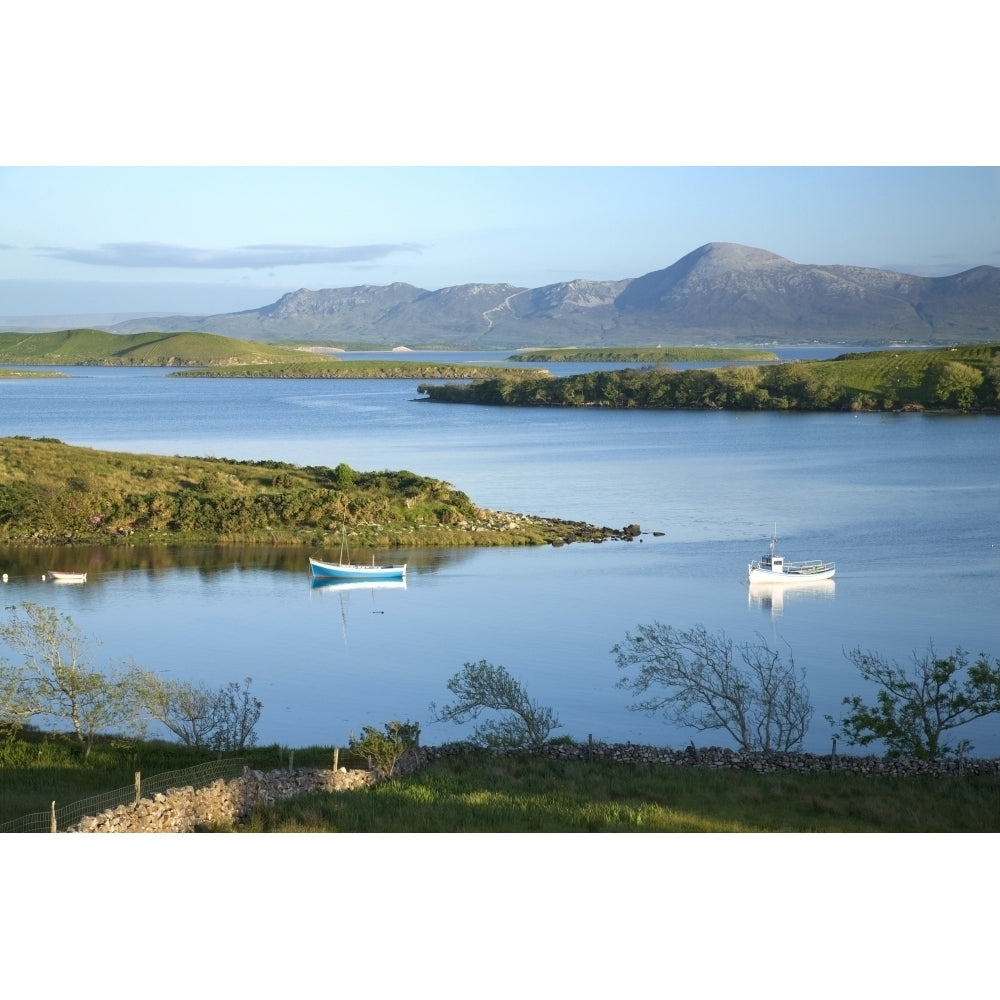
(652, 355)
(56, 494)
(963, 378)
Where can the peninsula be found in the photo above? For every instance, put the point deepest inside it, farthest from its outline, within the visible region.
(52, 493)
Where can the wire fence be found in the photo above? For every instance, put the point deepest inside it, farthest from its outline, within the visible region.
(62, 817)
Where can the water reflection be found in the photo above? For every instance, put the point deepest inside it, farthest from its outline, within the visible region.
(344, 592)
(33, 564)
(771, 596)
(339, 586)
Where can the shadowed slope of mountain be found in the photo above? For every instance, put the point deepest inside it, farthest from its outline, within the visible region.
(721, 293)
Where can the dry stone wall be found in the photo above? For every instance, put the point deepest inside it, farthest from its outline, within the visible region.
(721, 757)
(188, 810)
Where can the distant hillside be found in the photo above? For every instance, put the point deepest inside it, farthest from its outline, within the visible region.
(720, 294)
(97, 347)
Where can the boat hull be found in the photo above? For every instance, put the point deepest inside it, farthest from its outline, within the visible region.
(355, 571)
(760, 574)
(58, 577)
(332, 585)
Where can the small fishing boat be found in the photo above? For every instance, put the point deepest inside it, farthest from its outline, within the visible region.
(57, 576)
(355, 571)
(772, 568)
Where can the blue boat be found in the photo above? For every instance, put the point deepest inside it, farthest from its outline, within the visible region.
(356, 571)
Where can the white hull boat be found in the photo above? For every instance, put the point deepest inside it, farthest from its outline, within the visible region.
(772, 568)
(57, 576)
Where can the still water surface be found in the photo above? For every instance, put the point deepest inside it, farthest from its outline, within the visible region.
(906, 505)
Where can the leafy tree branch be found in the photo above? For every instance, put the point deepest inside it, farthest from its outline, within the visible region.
(917, 705)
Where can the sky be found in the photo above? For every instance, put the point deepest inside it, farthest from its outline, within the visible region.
(156, 169)
(204, 240)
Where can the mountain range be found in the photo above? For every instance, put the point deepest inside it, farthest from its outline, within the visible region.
(719, 294)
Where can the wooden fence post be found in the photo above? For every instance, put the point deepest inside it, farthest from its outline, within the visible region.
(291, 760)
(53, 822)
(336, 757)
(138, 786)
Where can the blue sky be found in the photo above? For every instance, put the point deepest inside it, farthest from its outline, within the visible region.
(526, 143)
(184, 239)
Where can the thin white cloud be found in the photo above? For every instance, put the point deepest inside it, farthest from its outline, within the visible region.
(257, 256)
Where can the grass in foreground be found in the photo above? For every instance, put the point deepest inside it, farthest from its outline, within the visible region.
(485, 794)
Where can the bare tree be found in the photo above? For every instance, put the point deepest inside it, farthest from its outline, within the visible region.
(482, 686)
(237, 712)
(703, 681)
(188, 710)
(198, 716)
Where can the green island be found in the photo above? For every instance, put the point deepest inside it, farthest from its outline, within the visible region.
(653, 355)
(964, 378)
(52, 493)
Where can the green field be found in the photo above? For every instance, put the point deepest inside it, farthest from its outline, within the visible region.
(485, 794)
(480, 792)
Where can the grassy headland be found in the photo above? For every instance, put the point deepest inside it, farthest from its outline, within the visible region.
(56, 494)
(95, 347)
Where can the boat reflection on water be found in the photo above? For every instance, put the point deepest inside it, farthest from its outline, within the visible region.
(334, 586)
(325, 586)
(772, 596)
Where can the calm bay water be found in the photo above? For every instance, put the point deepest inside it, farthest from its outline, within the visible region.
(906, 505)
